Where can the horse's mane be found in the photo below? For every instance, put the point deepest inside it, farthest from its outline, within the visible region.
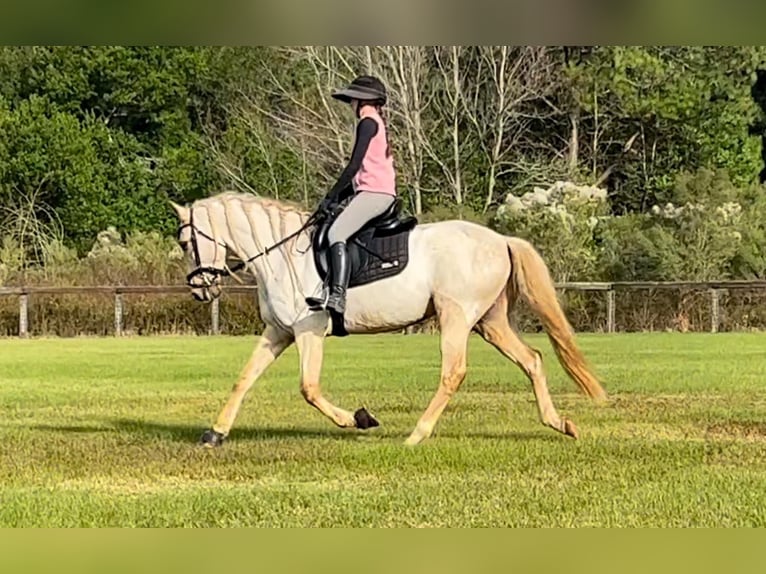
(249, 198)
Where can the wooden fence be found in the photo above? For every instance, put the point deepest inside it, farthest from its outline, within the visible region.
(23, 293)
(117, 291)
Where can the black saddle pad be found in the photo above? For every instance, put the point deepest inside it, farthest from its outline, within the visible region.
(374, 253)
(377, 251)
(378, 257)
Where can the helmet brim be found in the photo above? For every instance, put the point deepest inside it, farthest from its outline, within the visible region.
(348, 94)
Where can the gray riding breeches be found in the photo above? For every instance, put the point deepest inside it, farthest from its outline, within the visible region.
(364, 206)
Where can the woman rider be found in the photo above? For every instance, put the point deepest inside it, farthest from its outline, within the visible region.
(369, 176)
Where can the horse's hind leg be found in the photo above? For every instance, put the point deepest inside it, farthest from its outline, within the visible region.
(454, 341)
(496, 330)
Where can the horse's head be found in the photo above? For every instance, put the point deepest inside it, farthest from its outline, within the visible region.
(205, 252)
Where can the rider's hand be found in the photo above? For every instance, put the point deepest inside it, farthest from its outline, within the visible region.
(325, 206)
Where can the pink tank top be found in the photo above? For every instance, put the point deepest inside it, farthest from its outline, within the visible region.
(376, 173)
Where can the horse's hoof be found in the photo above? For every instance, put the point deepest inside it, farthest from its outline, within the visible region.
(211, 438)
(570, 429)
(364, 420)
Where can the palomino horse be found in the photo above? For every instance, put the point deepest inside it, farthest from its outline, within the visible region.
(465, 274)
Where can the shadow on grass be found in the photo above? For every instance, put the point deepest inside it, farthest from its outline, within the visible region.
(188, 433)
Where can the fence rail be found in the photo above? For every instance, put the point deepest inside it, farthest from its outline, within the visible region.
(117, 291)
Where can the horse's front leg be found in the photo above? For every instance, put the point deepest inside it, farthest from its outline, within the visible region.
(310, 345)
(271, 345)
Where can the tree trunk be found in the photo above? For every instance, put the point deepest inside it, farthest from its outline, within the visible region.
(456, 155)
(574, 141)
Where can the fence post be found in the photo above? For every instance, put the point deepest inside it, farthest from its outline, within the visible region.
(117, 314)
(610, 311)
(714, 310)
(215, 316)
(23, 315)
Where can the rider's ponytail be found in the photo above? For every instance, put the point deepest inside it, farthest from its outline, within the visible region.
(379, 106)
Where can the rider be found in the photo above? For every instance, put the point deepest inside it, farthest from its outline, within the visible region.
(369, 177)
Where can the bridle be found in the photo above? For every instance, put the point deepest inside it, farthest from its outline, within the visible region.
(217, 272)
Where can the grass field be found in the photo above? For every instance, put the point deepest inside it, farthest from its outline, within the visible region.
(99, 432)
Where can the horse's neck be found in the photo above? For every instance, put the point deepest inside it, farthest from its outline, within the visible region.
(265, 234)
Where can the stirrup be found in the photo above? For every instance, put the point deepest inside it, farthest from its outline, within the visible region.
(318, 303)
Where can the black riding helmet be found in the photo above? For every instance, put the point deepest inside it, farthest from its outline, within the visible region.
(364, 88)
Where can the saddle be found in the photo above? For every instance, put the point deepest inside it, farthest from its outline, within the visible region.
(380, 249)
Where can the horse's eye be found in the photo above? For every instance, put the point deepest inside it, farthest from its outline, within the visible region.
(183, 244)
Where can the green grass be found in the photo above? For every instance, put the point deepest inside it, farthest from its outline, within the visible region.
(102, 432)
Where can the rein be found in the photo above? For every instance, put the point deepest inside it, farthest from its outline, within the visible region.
(228, 271)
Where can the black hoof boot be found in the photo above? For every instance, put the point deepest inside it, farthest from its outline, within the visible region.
(364, 420)
(211, 438)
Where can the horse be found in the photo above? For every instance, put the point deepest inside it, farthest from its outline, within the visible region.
(464, 274)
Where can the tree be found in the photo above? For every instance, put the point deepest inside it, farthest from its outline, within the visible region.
(647, 113)
(513, 80)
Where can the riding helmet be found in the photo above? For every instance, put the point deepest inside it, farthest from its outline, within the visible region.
(365, 88)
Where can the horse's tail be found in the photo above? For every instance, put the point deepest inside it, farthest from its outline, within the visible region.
(531, 279)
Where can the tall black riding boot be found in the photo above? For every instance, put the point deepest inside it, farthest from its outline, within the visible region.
(341, 270)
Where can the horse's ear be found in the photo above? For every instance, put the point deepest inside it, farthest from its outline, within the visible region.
(183, 212)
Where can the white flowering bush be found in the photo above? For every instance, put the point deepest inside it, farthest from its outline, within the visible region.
(707, 237)
(709, 231)
(557, 198)
(109, 247)
(560, 221)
